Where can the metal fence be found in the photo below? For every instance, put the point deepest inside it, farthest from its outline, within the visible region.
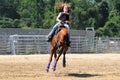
(28, 44)
(4, 44)
(108, 44)
(18, 44)
(37, 44)
(79, 44)
(17, 41)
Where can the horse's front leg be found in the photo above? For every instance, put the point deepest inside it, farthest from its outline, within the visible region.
(55, 62)
(56, 59)
(50, 59)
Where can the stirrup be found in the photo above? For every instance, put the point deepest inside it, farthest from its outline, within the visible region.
(68, 44)
(49, 39)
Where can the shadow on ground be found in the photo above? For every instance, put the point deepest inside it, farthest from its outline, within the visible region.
(83, 75)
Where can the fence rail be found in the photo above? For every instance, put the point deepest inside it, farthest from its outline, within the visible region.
(111, 44)
(17, 44)
(28, 42)
(38, 44)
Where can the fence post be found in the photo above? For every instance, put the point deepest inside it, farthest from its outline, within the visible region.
(12, 44)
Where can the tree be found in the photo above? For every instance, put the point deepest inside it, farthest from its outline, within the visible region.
(103, 15)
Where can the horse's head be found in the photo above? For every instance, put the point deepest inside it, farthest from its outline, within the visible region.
(62, 35)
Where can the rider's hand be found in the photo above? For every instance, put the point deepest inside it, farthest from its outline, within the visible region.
(62, 22)
(67, 22)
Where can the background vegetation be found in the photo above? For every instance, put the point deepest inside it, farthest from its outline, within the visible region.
(103, 15)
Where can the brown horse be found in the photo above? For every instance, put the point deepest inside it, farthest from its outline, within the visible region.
(58, 45)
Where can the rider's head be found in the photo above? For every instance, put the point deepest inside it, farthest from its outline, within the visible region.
(63, 7)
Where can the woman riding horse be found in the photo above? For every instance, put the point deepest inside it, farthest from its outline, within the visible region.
(60, 42)
(63, 18)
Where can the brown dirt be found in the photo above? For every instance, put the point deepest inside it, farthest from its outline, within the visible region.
(79, 67)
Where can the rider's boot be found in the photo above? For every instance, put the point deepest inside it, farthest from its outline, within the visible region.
(49, 38)
(68, 40)
(68, 44)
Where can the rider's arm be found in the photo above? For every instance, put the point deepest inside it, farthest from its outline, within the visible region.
(57, 19)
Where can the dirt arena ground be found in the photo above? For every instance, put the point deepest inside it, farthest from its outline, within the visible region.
(79, 67)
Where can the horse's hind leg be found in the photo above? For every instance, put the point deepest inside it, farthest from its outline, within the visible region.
(64, 58)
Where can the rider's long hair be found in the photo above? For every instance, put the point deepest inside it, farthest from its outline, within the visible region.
(61, 5)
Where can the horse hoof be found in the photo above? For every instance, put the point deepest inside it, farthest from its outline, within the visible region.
(54, 69)
(64, 65)
(47, 70)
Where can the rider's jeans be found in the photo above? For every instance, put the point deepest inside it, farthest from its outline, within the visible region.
(55, 27)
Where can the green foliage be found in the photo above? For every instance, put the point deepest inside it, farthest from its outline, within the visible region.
(6, 22)
(103, 15)
(112, 27)
(100, 32)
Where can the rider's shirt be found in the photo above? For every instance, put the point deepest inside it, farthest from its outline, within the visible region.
(64, 17)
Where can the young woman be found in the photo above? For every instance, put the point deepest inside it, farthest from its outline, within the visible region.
(63, 18)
